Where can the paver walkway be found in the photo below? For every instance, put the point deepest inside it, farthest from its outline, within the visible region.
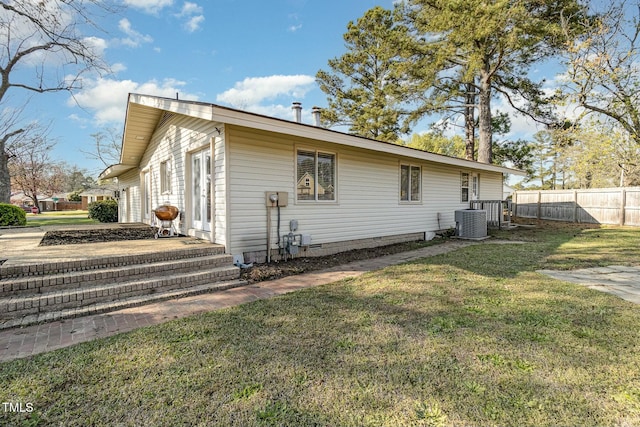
(31, 340)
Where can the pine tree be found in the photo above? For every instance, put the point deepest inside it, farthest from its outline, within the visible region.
(489, 45)
(367, 88)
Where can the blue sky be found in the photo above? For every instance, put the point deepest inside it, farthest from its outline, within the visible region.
(254, 55)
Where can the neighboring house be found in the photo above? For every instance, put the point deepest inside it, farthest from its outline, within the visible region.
(220, 165)
(91, 195)
(50, 203)
(26, 202)
(18, 198)
(307, 187)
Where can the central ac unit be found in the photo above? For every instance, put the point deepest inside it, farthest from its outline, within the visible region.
(471, 223)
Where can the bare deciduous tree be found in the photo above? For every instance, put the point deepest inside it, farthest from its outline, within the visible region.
(46, 41)
(603, 75)
(107, 145)
(33, 170)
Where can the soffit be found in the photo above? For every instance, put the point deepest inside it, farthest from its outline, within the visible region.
(140, 124)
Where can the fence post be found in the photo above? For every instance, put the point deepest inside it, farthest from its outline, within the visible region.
(575, 206)
(539, 213)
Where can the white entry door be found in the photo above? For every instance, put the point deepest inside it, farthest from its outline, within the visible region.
(201, 190)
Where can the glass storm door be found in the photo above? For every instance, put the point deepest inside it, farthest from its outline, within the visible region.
(201, 190)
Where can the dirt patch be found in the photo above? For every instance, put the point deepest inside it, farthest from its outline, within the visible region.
(98, 235)
(278, 269)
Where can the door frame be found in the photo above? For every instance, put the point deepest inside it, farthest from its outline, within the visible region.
(146, 196)
(203, 228)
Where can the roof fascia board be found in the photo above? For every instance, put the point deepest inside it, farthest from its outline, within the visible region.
(239, 118)
(114, 171)
(187, 108)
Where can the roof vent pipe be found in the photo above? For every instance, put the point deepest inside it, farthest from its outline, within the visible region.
(315, 112)
(297, 112)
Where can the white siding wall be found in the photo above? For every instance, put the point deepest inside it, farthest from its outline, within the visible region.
(489, 185)
(367, 204)
(130, 197)
(248, 162)
(443, 195)
(220, 190)
(173, 141)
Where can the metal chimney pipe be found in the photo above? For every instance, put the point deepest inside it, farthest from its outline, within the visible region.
(315, 112)
(297, 112)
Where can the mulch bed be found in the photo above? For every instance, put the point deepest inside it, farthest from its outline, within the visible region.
(278, 269)
(70, 237)
(257, 273)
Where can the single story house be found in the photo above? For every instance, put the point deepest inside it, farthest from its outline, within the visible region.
(18, 198)
(247, 181)
(95, 194)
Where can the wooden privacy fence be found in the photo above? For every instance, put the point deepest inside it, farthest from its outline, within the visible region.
(620, 206)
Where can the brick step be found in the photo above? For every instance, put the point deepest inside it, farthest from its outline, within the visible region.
(104, 307)
(47, 268)
(19, 306)
(43, 284)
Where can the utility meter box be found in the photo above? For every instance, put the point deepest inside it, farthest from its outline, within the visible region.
(276, 198)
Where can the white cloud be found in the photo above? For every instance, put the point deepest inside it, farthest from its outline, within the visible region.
(252, 91)
(194, 23)
(149, 6)
(189, 9)
(118, 67)
(96, 44)
(297, 25)
(134, 38)
(192, 13)
(107, 98)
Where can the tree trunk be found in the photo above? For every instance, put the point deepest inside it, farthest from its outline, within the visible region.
(485, 148)
(469, 121)
(5, 178)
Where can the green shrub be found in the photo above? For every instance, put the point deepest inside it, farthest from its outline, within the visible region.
(75, 196)
(104, 210)
(12, 215)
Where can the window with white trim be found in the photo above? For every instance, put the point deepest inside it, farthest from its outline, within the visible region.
(464, 186)
(410, 183)
(165, 177)
(315, 175)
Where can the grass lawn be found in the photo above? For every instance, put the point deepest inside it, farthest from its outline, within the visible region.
(474, 337)
(59, 218)
(60, 213)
